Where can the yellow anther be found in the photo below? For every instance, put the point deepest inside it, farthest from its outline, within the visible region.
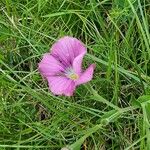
(73, 76)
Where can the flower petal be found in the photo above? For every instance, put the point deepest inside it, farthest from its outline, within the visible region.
(86, 76)
(70, 89)
(61, 85)
(67, 48)
(77, 63)
(49, 66)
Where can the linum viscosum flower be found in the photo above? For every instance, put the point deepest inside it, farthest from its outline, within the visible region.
(62, 67)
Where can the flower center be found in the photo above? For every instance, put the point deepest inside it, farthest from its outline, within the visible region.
(70, 73)
(73, 76)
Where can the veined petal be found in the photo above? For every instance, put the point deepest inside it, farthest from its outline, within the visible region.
(49, 66)
(67, 48)
(77, 63)
(59, 85)
(86, 76)
(70, 89)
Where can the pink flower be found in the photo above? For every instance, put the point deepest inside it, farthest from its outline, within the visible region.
(62, 67)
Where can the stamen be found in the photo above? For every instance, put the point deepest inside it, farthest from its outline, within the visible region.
(71, 74)
(74, 76)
